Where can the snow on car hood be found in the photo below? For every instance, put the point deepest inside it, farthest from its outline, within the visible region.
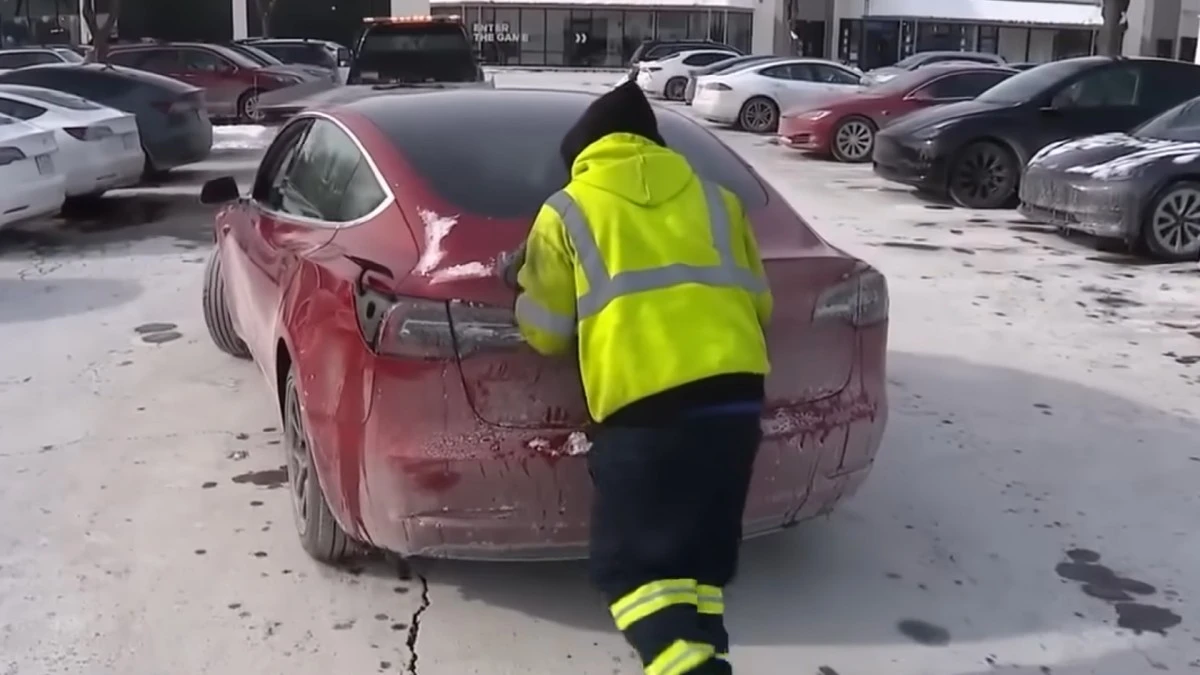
(1112, 156)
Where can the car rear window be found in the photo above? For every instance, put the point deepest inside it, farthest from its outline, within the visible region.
(1028, 84)
(502, 160)
(416, 37)
(52, 97)
(69, 56)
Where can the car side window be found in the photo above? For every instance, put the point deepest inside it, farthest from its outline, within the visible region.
(781, 72)
(1168, 84)
(129, 59)
(958, 86)
(161, 61)
(320, 174)
(704, 59)
(200, 61)
(1102, 88)
(832, 75)
(20, 109)
(363, 193)
(272, 171)
(22, 59)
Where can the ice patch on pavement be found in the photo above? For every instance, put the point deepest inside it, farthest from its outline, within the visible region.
(242, 137)
(437, 227)
(577, 444)
(471, 270)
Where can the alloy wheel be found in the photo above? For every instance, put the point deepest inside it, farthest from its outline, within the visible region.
(250, 109)
(854, 140)
(675, 89)
(758, 115)
(1175, 223)
(299, 461)
(983, 177)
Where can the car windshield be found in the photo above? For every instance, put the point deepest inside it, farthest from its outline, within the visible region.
(1181, 123)
(258, 55)
(69, 56)
(58, 98)
(497, 154)
(1029, 84)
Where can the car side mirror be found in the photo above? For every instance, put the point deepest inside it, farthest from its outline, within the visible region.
(220, 191)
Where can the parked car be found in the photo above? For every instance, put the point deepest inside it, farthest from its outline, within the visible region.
(668, 77)
(328, 276)
(844, 128)
(752, 98)
(974, 151)
(265, 59)
(31, 172)
(99, 147)
(172, 123)
(231, 81)
(1141, 187)
(653, 50)
(32, 56)
(723, 66)
(923, 59)
(306, 52)
(414, 50)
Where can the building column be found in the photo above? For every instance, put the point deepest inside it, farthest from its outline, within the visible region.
(85, 34)
(241, 28)
(769, 32)
(410, 7)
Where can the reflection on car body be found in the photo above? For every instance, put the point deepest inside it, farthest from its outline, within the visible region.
(358, 302)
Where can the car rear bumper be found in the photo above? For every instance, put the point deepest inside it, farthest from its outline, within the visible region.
(31, 199)
(181, 144)
(714, 107)
(97, 166)
(435, 481)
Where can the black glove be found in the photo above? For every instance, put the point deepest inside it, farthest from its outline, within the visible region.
(509, 264)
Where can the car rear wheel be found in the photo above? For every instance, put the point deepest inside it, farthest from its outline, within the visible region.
(760, 115)
(675, 88)
(320, 535)
(984, 176)
(247, 107)
(853, 140)
(216, 310)
(1172, 229)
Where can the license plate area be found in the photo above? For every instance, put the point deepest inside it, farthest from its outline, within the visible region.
(45, 165)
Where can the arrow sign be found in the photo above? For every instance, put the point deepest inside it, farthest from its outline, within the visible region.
(581, 38)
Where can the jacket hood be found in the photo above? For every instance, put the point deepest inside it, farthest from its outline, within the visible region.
(622, 110)
(633, 168)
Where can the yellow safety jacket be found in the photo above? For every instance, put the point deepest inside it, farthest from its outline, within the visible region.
(653, 270)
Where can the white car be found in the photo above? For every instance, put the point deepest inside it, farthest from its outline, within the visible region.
(668, 77)
(100, 148)
(752, 98)
(30, 171)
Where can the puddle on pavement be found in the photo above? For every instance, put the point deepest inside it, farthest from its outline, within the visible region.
(923, 632)
(268, 478)
(1101, 582)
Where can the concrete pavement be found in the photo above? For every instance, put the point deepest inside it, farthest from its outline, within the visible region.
(1041, 460)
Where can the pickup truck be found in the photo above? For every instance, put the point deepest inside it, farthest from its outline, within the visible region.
(390, 54)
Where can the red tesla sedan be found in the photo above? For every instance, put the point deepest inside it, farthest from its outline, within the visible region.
(844, 128)
(358, 275)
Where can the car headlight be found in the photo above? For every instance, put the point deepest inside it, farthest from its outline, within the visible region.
(815, 115)
(882, 77)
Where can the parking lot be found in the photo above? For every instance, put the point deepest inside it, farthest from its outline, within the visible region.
(1032, 509)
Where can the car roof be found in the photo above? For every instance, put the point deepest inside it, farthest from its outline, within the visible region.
(110, 70)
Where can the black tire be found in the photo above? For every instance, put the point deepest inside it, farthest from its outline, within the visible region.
(216, 310)
(676, 86)
(1171, 227)
(984, 175)
(857, 134)
(247, 107)
(760, 115)
(320, 535)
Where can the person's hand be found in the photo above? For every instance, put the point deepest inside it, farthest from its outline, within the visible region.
(509, 264)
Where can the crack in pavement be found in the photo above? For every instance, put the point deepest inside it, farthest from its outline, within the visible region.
(414, 625)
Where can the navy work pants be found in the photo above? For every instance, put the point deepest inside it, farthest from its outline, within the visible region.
(666, 529)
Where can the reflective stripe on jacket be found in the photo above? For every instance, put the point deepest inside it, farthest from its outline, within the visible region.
(654, 272)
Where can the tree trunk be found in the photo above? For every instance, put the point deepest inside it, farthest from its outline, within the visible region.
(1112, 34)
(265, 9)
(101, 32)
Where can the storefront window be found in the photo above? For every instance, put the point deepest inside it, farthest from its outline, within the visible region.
(716, 26)
(850, 41)
(989, 39)
(697, 25)
(672, 25)
(881, 44)
(557, 32)
(1013, 44)
(639, 26)
(533, 24)
(1071, 43)
(607, 29)
(934, 37)
(738, 25)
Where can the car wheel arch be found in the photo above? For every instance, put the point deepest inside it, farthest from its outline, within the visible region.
(1139, 238)
(1001, 141)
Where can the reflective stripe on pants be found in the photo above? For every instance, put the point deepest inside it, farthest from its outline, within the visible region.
(710, 606)
(659, 619)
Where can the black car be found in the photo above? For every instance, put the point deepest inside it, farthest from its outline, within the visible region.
(171, 120)
(655, 50)
(974, 151)
(434, 49)
(725, 66)
(1141, 187)
(304, 52)
(922, 59)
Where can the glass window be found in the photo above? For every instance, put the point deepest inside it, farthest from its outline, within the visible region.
(716, 26)
(607, 33)
(533, 27)
(697, 25)
(20, 109)
(1029, 84)
(672, 25)
(932, 37)
(68, 56)
(989, 39)
(833, 75)
(1107, 87)
(130, 58)
(320, 173)
(199, 61)
(499, 38)
(1071, 43)
(639, 27)
(476, 173)
(22, 59)
(1187, 49)
(557, 33)
(362, 193)
(850, 38)
(705, 58)
(1178, 124)
(788, 71)
(57, 98)
(957, 86)
(268, 182)
(160, 61)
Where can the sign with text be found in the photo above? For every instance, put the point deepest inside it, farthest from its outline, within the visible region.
(500, 31)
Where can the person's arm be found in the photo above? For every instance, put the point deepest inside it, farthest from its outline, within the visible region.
(545, 307)
(744, 232)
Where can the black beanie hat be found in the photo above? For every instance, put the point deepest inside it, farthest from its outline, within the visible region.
(622, 110)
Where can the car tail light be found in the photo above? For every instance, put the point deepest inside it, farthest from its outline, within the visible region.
(8, 155)
(717, 86)
(95, 133)
(861, 299)
(416, 328)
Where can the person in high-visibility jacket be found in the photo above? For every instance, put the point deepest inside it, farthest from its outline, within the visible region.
(653, 274)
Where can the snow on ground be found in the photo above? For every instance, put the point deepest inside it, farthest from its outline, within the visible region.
(1044, 400)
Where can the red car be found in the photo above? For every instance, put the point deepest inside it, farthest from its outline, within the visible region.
(358, 275)
(844, 128)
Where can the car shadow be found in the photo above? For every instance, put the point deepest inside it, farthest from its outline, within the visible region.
(115, 219)
(951, 540)
(37, 299)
